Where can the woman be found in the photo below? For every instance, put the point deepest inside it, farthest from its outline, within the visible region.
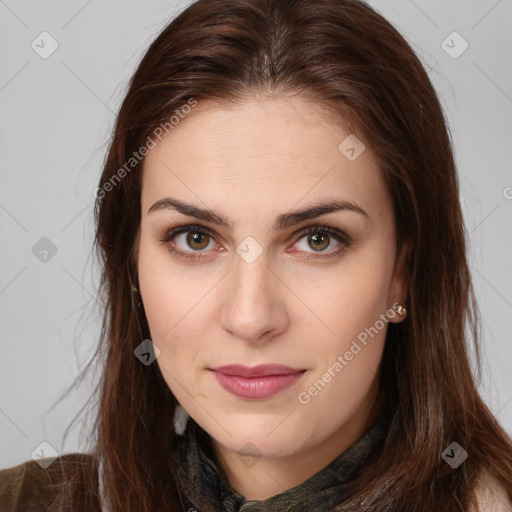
(286, 281)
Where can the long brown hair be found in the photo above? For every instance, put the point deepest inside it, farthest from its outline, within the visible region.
(342, 54)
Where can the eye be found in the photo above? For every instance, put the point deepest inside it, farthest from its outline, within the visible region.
(190, 241)
(320, 238)
(192, 237)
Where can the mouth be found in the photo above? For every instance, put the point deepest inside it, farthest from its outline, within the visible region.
(262, 370)
(257, 382)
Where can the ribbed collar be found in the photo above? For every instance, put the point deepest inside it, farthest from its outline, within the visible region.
(207, 490)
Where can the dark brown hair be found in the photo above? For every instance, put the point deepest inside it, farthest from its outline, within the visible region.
(343, 55)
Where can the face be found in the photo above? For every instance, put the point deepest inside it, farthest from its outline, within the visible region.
(314, 293)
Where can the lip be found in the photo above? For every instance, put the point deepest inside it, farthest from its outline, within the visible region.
(262, 370)
(257, 382)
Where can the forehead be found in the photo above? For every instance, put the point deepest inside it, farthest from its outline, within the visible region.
(268, 150)
(261, 130)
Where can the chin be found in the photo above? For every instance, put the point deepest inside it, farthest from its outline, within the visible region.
(258, 443)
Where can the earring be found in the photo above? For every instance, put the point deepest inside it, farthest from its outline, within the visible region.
(137, 293)
(401, 310)
(181, 417)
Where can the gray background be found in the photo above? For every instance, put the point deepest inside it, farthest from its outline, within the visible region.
(56, 118)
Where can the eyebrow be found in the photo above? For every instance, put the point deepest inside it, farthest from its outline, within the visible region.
(281, 223)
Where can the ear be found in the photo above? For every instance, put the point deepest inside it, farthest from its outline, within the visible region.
(399, 288)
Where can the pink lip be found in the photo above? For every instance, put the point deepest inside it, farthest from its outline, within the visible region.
(257, 382)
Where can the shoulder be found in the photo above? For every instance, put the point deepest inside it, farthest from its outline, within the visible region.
(29, 486)
(492, 497)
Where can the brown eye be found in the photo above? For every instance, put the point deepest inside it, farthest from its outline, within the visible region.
(322, 242)
(319, 241)
(196, 240)
(189, 242)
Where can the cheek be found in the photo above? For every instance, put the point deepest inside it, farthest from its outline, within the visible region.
(169, 294)
(171, 319)
(176, 305)
(349, 300)
(348, 353)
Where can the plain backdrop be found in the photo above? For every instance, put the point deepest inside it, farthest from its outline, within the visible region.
(56, 115)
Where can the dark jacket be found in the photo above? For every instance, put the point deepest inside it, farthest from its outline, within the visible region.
(29, 487)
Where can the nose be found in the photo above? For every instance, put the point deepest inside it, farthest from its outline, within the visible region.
(253, 305)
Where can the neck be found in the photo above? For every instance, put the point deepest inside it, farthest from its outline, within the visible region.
(273, 475)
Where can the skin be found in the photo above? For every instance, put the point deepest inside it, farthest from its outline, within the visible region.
(251, 162)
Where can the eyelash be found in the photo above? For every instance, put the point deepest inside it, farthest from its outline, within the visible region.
(341, 237)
